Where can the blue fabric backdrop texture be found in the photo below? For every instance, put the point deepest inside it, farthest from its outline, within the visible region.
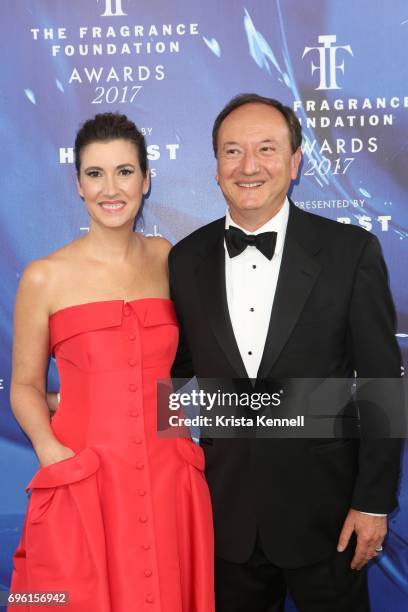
(171, 66)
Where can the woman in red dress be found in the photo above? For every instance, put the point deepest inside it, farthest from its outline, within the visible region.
(118, 518)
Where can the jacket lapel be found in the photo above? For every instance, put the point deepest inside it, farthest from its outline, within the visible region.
(297, 276)
(211, 279)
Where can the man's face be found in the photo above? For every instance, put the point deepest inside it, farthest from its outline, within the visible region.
(255, 163)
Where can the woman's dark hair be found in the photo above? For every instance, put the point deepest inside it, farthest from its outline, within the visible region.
(295, 129)
(110, 126)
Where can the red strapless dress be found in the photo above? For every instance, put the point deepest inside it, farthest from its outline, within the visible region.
(126, 524)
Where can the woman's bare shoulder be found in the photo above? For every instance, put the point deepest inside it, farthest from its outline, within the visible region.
(41, 272)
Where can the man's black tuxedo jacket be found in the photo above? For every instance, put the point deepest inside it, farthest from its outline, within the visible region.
(332, 315)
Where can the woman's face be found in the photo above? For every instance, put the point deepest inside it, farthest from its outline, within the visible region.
(111, 183)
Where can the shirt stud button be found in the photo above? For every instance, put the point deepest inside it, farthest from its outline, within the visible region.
(132, 336)
(139, 465)
(146, 546)
(253, 267)
(132, 362)
(126, 311)
(149, 598)
(249, 352)
(134, 413)
(143, 518)
(252, 309)
(141, 492)
(132, 387)
(148, 573)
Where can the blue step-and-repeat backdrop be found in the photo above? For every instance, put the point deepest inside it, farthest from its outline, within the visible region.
(171, 65)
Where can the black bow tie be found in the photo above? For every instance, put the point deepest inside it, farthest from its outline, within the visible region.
(237, 241)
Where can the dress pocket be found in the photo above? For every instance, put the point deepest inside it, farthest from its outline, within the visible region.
(63, 543)
(191, 452)
(66, 472)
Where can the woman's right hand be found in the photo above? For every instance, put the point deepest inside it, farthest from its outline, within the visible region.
(53, 453)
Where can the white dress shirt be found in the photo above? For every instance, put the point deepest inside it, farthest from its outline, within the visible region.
(251, 281)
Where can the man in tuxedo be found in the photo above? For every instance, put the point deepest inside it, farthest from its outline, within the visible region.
(270, 292)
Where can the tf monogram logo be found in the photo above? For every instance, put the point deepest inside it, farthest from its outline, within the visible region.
(328, 68)
(113, 8)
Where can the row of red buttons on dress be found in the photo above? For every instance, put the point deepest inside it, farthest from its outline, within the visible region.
(143, 518)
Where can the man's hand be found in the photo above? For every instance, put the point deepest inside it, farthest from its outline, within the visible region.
(370, 530)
